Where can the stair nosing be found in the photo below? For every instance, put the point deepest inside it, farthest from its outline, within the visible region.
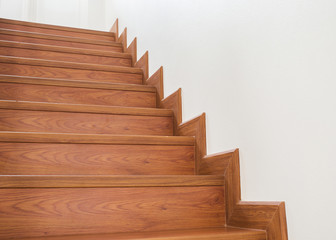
(56, 27)
(84, 108)
(70, 65)
(105, 139)
(54, 181)
(75, 83)
(63, 49)
(58, 37)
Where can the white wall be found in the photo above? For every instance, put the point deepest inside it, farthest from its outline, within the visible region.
(262, 70)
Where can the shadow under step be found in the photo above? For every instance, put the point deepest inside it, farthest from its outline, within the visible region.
(59, 40)
(53, 90)
(67, 54)
(69, 70)
(56, 30)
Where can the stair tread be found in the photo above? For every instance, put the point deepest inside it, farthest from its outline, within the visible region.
(80, 181)
(63, 49)
(83, 108)
(7, 136)
(72, 65)
(75, 83)
(56, 27)
(57, 37)
(224, 233)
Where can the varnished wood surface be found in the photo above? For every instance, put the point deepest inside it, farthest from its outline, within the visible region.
(224, 233)
(68, 71)
(74, 95)
(56, 30)
(95, 139)
(115, 29)
(132, 50)
(81, 108)
(156, 80)
(62, 54)
(123, 39)
(174, 102)
(216, 164)
(195, 127)
(99, 181)
(61, 211)
(75, 84)
(143, 64)
(39, 38)
(75, 122)
(90, 159)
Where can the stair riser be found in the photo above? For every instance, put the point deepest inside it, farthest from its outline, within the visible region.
(68, 122)
(42, 93)
(53, 42)
(91, 159)
(43, 212)
(67, 57)
(70, 73)
(56, 32)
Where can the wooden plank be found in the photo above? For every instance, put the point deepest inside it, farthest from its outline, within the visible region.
(216, 164)
(123, 39)
(156, 80)
(63, 211)
(115, 29)
(91, 123)
(91, 159)
(39, 38)
(95, 139)
(56, 30)
(143, 64)
(80, 108)
(174, 102)
(74, 95)
(224, 233)
(132, 50)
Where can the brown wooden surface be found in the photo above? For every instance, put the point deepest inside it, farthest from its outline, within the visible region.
(115, 29)
(56, 30)
(39, 38)
(90, 159)
(132, 50)
(60, 211)
(224, 233)
(156, 80)
(58, 94)
(45, 52)
(74, 122)
(215, 164)
(174, 102)
(143, 64)
(123, 39)
(195, 127)
(81, 108)
(95, 138)
(69, 71)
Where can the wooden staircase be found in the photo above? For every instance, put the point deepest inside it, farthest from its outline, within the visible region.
(90, 149)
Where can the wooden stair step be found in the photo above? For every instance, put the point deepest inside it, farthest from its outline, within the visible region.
(50, 211)
(69, 70)
(23, 88)
(48, 39)
(223, 233)
(23, 153)
(68, 54)
(56, 30)
(66, 118)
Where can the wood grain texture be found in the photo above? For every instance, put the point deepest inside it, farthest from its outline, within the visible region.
(195, 127)
(53, 69)
(73, 95)
(62, 211)
(117, 181)
(174, 102)
(39, 38)
(93, 159)
(123, 39)
(56, 30)
(223, 233)
(115, 29)
(132, 50)
(215, 164)
(55, 53)
(143, 64)
(75, 84)
(95, 139)
(75, 122)
(81, 108)
(156, 80)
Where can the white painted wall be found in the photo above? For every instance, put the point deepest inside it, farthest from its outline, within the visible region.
(264, 72)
